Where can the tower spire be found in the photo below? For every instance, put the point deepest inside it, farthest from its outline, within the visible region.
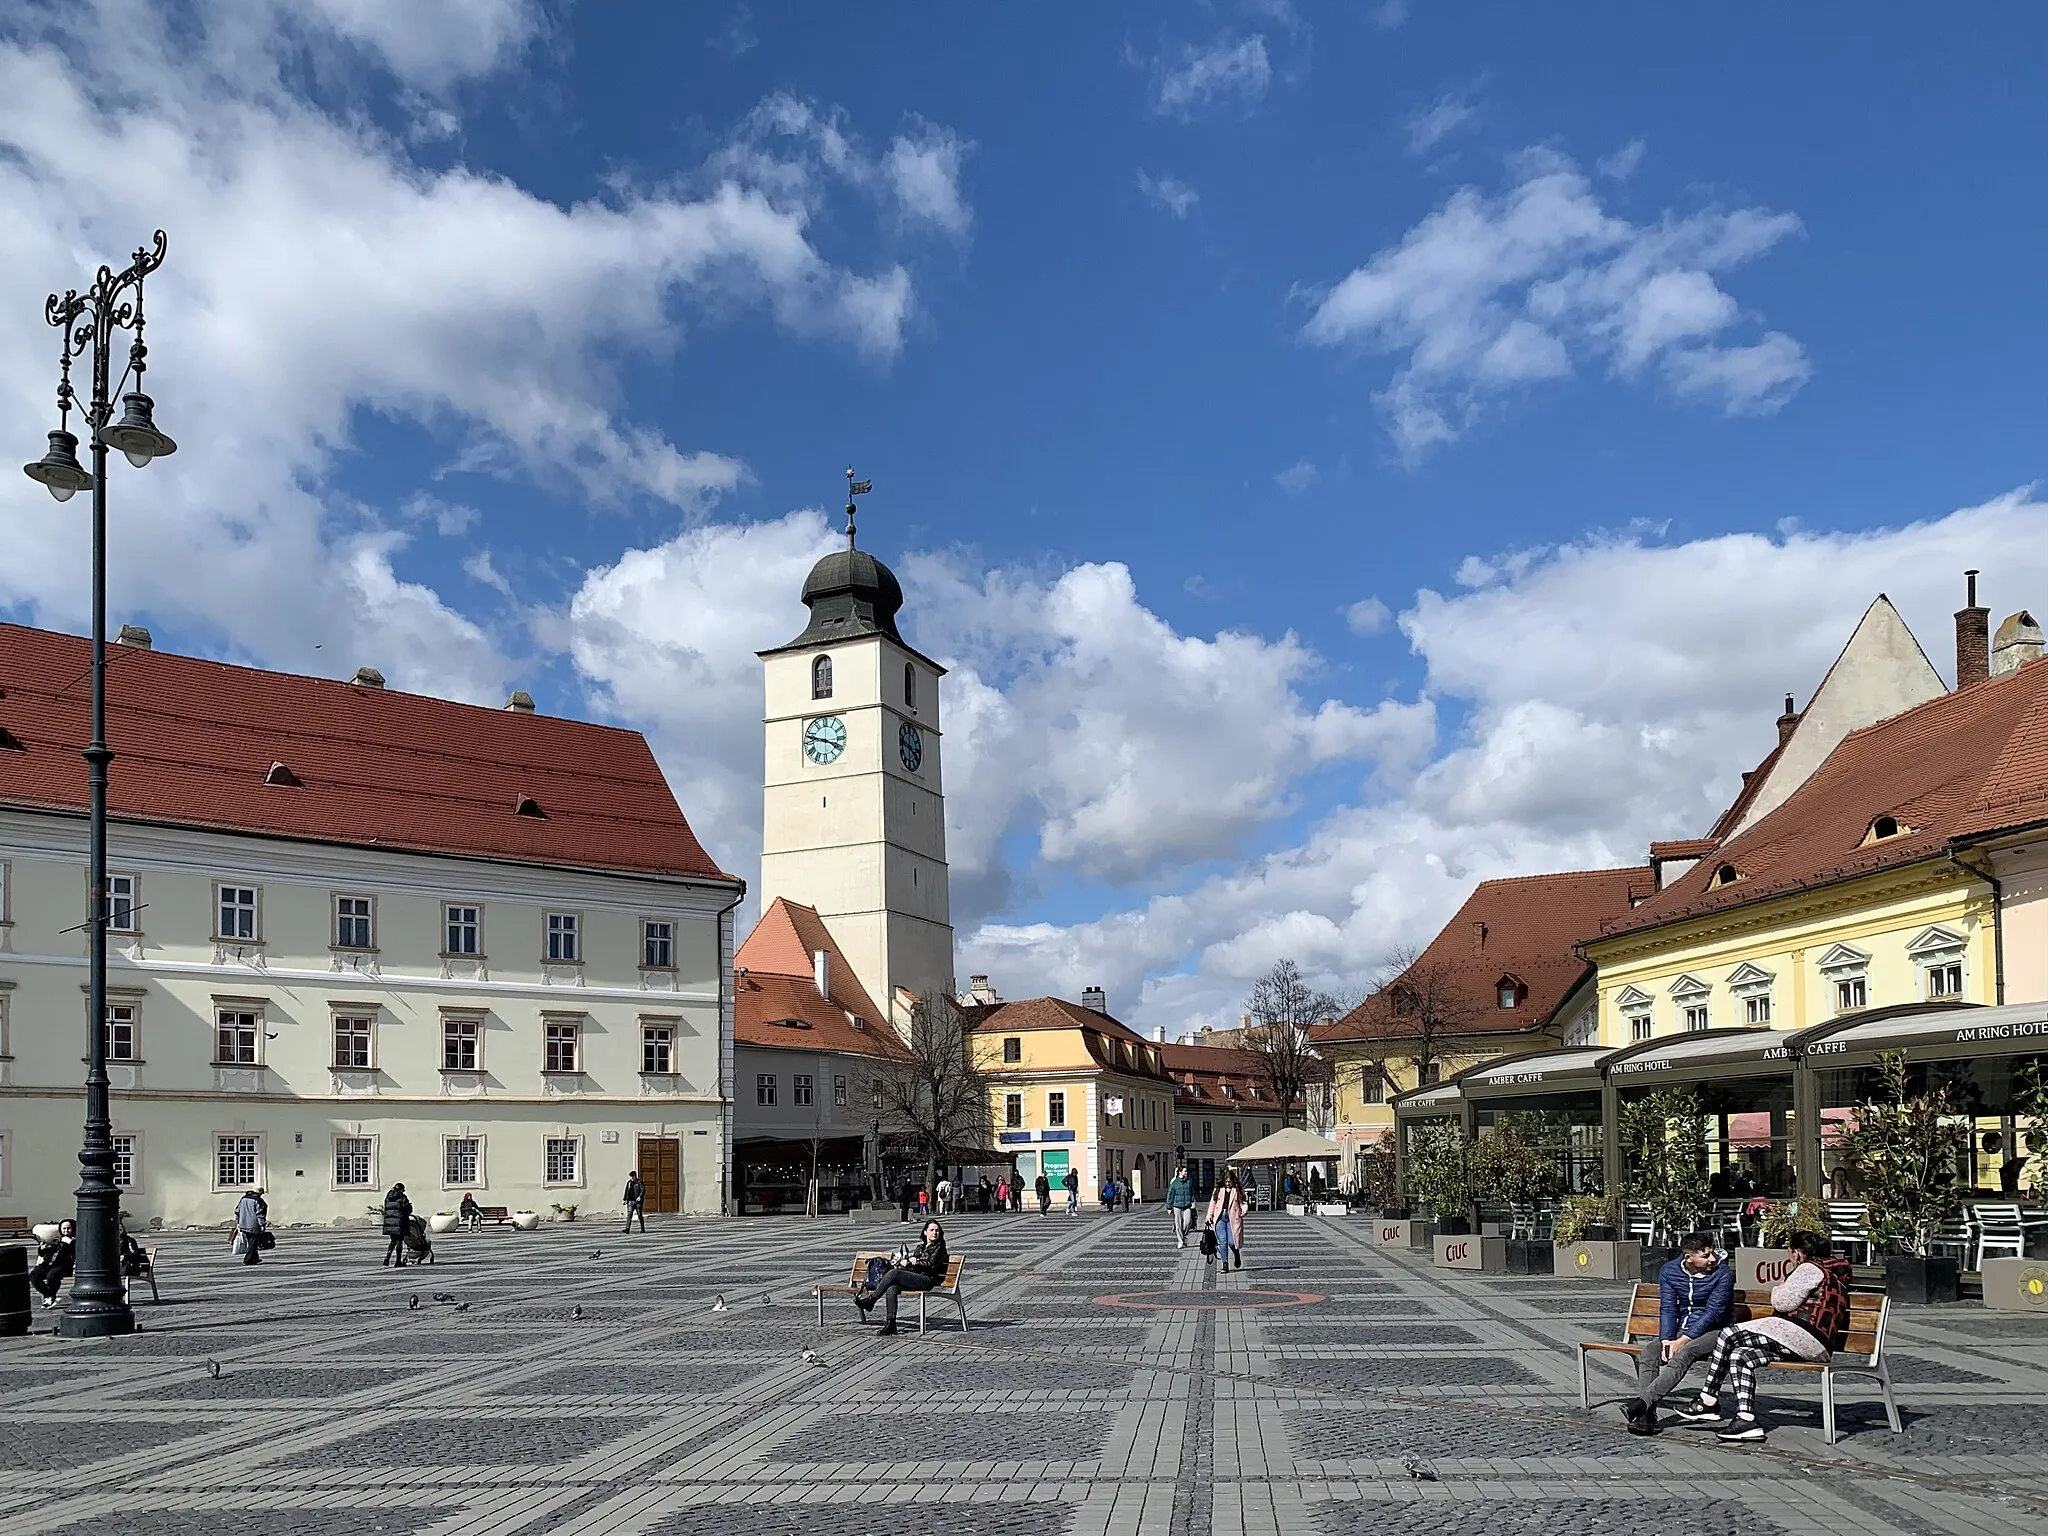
(854, 488)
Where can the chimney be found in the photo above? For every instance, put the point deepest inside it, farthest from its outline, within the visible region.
(1479, 936)
(821, 971)
(1973, 639)
(1158, 1033)
(1095, 1000)
(521, 702)
(134, 636)
(368, 677)
(1788, 722)
(2017, 642)
(979, 989)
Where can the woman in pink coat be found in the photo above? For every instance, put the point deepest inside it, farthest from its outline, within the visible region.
(1226, 1219)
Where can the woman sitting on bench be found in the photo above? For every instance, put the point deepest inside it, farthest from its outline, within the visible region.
(923, 1269)
(469, 1215)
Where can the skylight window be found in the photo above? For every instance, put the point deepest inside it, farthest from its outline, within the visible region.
(528, 806)
(283, 777)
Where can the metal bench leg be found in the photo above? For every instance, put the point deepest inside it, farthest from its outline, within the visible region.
(920, 1312)
(1891, 1403)
(821, 1304)
(1585, 1397)
(1827, 1404)
(961, 1302)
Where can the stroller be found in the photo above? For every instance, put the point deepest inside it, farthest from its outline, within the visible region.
(418, 1246)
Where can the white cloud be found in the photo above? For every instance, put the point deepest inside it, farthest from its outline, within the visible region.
(480, 568)
(1623, 163)
(795, 150)
(1368, 616)
(1389, 14)
(318, 272)
(451, 519)
(1488, 295)
(1586, 735)
(923, 167)
(1227, 69)
(1169, 193)
(1297, 477)
(1436, 122)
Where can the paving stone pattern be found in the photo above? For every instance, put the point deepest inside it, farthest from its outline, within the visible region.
(341, 1410)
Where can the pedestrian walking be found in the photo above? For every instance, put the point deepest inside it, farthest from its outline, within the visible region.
(636, 1200)
(1072, 1185)
(1125, 1191)
(923, 1268)
(1044, 1189)
(56, 1261)
(1109, 1193)
(945, 1195)
(1002, 1194)
(906, 1196)
(1226, 1219)
(252, 1225)
(1017, 1194)
(397, 1218)
(1180, 1205)
(988, 1195)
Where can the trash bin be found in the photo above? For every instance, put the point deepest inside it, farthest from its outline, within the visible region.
(14, 1313)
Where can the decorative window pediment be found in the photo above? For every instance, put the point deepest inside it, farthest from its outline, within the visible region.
(1747, 978)
(1935, 943)
(1633, 1000)
(1689, 986)
(1843, 959)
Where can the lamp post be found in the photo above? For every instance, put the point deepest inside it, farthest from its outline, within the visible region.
(88, 321)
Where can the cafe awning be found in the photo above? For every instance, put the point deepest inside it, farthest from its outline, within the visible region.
(1438, 1101)
(1925, 1032)
(1573, 1069)
(1707, 1055)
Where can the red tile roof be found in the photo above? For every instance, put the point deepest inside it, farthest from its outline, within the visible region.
(194, 741)
(1521, 928)
(1102, 1034)
(780, 986)
(1201, 1073)
(1962, 763)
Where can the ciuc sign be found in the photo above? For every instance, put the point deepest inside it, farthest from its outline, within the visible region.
(1759, 1268)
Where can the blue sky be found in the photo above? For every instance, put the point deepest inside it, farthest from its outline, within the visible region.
(1344, 452)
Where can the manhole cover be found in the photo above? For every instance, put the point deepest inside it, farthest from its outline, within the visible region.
(1206, 1301)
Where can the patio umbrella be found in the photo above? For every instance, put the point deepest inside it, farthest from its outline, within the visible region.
(1290, 1145)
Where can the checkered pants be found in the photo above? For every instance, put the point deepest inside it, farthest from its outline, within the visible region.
(1742, 1354)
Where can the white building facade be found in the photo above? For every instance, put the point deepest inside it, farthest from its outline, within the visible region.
(306, 1003)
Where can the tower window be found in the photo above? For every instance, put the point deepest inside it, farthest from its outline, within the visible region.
(821, 678)
(910, 685)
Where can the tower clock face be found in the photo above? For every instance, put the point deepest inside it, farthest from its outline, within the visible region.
(909, 746)
(824, 739)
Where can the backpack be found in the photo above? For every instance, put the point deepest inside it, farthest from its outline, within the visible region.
(1825, 1313)
(877, 1270)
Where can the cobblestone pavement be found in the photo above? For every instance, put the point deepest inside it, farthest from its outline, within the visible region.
(1293, 1396)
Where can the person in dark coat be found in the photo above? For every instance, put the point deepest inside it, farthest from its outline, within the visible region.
(1044, 1190)
(906, 1196)
(252, 1220)
(397, 1219)
(1696, 1300)
(924, 1268)
(636, 1200)
(55, 1262)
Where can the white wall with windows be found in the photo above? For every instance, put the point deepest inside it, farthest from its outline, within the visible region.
(328, 1020)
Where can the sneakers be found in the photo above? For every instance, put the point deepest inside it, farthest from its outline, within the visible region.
(1642, 1418)
(1741, 1432)
(1699, 1413)
(49, 1302)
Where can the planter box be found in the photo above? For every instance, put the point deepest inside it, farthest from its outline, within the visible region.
(1758, 1269)
(525, 1221)
(1600, 1261)
(2016, 1285)
(873, 1215)
(1329, 1209)
(1921, 1282)
(1531, 1257)
(1465, 1251)
(1450, 1226)
(1401, 1232)
(1295, 1209)
(1654, 1259)
(444, 1222)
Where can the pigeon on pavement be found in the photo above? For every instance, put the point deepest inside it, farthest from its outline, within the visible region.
(462, 1306)
(718, 1302)
(413, 1305)
(444, 1296)
(577, 1312)
(1418, 1469)
(213, 1369)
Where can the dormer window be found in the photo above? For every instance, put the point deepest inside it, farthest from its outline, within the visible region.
(282, 776)
(1727, 874)
(1883, 828)
(528, 806)
(1404, 1001)
(821, 678)
(1511, 991)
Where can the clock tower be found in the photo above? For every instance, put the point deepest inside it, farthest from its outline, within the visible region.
(854, 810)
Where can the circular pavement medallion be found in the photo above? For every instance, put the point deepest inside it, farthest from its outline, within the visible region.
(1207, 1301)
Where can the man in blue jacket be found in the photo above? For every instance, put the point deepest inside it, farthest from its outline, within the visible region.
(1696, 1300)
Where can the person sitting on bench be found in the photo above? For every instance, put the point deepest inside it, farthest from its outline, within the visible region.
(922, 1269)
(469, 1214)
(1809, 1312)
(1696, 1300)
(57, 1259)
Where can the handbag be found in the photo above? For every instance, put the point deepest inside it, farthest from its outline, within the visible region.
(1208, 1242)
(265, 1240)
(877, 1270)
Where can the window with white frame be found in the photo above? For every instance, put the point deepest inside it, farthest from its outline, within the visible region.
(1847, 970)
(235, 913)
(658, 944)
(800, 1089)
(563, 1046)
(237, 1036)
(126, 1162)
(764, 1088)
(124, 903)
(462, 1042)
(1691, 994)
(1372, 1084)
(124, 1033)
(463, 931)
(565, 936)
(352, 1162)
(1013, 1110)
(657, 1048)
(563, 1155)
(839, 1093)
(1056, 1108)
(237, 1162)
(1695, 1017)
(353, 927)
(1851, 993)
(462, 1161)
(1206, 1133)
(352, 1035)
(1944, 980)
(1639, 1026)
(1751, 985)
(1756, 1008)
(1938, 951)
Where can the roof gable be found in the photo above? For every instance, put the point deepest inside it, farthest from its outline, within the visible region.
(784, 943)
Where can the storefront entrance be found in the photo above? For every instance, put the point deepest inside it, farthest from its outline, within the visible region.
(661, 1170)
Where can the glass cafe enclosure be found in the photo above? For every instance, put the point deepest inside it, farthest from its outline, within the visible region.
(1551, 1099)
(1741, 1079)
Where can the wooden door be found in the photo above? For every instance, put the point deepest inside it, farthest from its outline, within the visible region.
(661, 1159)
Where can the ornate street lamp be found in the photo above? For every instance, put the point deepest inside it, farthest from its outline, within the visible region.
(99, 1300)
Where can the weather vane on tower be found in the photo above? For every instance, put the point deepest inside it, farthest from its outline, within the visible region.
(854, 488)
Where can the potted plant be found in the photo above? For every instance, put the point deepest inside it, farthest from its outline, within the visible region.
(563, 1212)
(2030, 1102)
(1377, 1189)
(525, 1221)
(1664, 1142)
(1904, 1149)
(1505, 1164)
(1585, 1239)
(1438, 1180)
(442, 1221)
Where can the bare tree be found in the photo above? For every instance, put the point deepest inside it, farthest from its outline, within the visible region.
(1416, 1005)
(932, 1094)
(1282, 1007)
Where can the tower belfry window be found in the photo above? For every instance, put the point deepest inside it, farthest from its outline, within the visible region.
(910, 685)
(821, 678)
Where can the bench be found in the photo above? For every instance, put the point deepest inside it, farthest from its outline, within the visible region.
(14, 1226)
(147, 1272)
(1861, 1354)
(857, 1281)
(496, 1214)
